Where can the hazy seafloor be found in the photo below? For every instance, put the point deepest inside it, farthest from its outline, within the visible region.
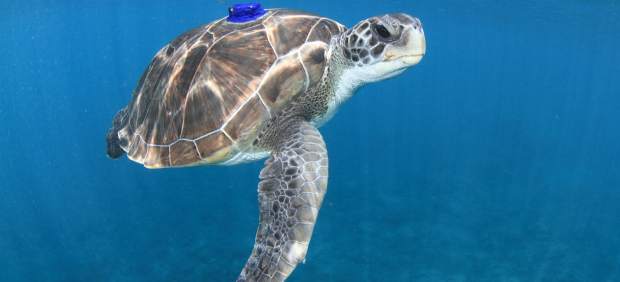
(495, 159)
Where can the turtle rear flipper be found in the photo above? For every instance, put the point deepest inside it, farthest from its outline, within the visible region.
(291, 189)
(114, 149)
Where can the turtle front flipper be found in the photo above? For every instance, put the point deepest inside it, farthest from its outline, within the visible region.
(291, 189)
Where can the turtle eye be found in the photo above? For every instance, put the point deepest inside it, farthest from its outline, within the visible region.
(382, 31)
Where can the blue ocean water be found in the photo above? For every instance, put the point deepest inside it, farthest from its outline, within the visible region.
(497, 158)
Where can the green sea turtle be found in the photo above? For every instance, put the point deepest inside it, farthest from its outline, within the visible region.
(258, 84)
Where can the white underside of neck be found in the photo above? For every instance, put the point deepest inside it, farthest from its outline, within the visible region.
(354, 77)
(344, 88)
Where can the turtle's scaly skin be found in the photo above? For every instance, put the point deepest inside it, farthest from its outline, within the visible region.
(206, 95)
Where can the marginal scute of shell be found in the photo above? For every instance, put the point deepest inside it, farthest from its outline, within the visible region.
(214, 148)
(157, 157)
(137, 149)
(183, 153)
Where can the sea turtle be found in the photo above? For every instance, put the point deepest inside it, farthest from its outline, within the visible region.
(258, 84)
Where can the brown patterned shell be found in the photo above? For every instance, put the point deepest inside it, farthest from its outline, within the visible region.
(205, 94)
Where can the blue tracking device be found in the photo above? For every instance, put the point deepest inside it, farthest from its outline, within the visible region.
(246, 12)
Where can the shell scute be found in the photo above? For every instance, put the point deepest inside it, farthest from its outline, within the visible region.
(183, 78)
(289, 31)
(203, 112)
(324, 30)
(287, 79)
(245, 122)
(237, 65)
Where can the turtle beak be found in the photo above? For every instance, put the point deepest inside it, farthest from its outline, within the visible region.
(411, 47)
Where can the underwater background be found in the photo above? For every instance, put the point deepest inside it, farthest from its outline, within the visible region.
(497, 158)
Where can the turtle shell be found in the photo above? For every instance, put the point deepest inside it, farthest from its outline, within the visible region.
(207, 93)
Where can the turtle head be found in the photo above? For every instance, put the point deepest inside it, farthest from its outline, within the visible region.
(384, 46)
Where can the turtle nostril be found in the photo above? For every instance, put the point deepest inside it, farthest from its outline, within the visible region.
(418, 23)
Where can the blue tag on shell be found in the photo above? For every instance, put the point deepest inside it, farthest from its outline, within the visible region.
(246, 12)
